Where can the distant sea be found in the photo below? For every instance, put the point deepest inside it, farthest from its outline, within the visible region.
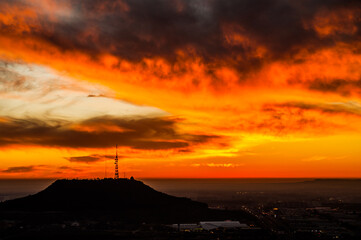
(15, 188)
(193, 188)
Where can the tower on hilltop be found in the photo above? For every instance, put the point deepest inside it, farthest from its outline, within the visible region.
(116, 163)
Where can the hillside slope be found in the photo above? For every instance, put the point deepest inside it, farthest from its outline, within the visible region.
(121, 199)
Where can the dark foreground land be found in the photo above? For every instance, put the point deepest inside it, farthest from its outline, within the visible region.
(128, 209)
(114, 209)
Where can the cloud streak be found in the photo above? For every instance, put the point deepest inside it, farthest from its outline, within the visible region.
(144, 134)
(348, 108)
(89, 159)
(21, 169)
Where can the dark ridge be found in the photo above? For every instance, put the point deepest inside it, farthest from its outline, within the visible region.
(108, 194)
(121, 199)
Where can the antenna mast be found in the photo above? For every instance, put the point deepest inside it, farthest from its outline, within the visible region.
(105, 168)
(116, 162)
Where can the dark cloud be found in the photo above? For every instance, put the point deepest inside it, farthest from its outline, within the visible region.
(341, 86)
(351, 108)
(138, 29)
(22, 169)
(89, 159)
(96, 95)
(32, 168)
(149, 133)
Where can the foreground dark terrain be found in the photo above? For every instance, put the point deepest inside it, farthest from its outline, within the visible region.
(114, 209)
(129, 209)
(287, 208)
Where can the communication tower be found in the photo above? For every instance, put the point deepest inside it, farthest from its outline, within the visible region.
(116, 162)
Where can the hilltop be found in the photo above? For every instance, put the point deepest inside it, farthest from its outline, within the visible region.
(121, 199)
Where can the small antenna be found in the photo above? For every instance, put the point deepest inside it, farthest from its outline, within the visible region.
(116, 162)
(105, 168)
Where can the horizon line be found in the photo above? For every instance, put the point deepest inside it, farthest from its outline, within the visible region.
(198, 178)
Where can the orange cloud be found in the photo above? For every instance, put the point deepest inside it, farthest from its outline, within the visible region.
(238, 74)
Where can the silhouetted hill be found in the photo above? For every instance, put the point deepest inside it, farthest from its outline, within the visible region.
(108, 194)
(122, 199)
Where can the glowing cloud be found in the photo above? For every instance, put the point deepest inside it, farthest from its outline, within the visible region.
(181, 81)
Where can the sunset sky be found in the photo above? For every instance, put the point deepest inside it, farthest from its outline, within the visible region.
(186, 88)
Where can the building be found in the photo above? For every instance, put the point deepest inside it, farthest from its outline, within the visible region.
(222, 224)
(187, 227)
(210, 225)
